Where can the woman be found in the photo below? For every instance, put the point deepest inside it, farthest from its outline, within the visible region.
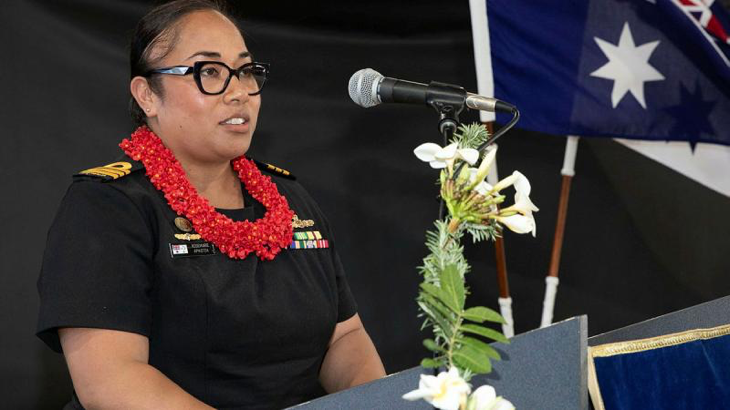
(157, 298)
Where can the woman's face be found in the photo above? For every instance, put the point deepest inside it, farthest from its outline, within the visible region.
(194, 125)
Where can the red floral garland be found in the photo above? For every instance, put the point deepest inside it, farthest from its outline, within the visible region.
(266, 236)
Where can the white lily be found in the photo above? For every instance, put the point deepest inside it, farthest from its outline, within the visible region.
(485, 398)
(447, 391)
(518, 223)
(439, 157)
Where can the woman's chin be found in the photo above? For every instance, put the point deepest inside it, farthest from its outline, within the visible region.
(235, 150)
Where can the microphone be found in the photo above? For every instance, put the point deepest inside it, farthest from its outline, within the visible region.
(369, 88)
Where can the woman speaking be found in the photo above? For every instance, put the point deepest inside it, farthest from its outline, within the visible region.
(186, 275)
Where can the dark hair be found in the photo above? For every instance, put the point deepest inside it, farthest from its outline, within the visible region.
(157, 31)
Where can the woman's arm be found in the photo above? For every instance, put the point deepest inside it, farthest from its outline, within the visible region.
(351, 358)
(109, 370)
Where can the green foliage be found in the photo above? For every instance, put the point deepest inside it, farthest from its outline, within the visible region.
(442, 299)
(480, 313)
(480, 232)
(470, 136)
(445, 250)
(460, 336)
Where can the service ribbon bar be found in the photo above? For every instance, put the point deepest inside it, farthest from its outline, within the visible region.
(310, 244)
(307, 236)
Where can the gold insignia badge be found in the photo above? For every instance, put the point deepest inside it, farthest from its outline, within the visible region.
(187, 236)
(183, 224)
(277, 169)
(301, 223)
(114, 170)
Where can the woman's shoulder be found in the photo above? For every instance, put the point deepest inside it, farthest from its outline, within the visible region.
(120, 168)
(123, 175)
(285, 180)
(118, 184)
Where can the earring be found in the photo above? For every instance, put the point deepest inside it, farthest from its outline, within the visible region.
(147, 109)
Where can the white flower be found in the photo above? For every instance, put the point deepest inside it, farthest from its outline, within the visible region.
(482, 188)
(485, 398)
(487, 162)
(525, 222)
(477, 175)
(522, 185)
(439, 157)
(523, 205)
(447, 391)
(518, 223)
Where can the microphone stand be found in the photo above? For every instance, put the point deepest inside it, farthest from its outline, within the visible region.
(448, 100)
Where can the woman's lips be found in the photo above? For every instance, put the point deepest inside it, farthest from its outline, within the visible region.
(236, 124)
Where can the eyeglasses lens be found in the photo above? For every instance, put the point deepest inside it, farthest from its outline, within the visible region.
(213, 77)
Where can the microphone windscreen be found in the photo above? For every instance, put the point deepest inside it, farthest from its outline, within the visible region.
(363, 87)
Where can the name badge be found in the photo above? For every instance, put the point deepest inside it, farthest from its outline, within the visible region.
(185, 250)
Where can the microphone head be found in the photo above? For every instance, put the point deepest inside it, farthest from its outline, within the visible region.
(363, 87)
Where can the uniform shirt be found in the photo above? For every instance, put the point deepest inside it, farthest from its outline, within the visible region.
(233, 333)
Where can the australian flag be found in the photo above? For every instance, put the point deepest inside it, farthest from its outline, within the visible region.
(641, 69)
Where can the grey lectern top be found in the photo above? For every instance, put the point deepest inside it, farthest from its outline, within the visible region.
(543, 369)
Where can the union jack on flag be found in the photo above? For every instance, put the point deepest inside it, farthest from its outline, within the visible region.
(703, 12)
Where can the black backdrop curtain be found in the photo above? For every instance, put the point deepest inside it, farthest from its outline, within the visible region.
(641, 240)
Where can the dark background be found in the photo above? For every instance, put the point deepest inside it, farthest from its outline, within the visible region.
(641, 239)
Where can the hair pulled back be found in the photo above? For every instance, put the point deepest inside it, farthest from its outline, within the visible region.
(154, 38)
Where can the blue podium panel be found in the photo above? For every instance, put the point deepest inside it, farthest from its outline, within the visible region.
(542, 369)
(670, 361)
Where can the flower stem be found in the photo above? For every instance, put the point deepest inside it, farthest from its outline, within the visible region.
(452, 340)
(454, 225)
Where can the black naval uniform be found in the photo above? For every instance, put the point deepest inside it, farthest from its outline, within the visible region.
(233, 333)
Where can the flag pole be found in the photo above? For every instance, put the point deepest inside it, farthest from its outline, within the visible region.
(551, 280)
(485, 87)
(504, 300)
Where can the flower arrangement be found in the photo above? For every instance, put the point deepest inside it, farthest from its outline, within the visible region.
(474, 208)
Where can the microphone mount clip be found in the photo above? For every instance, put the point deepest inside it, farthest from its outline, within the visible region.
(449, 101)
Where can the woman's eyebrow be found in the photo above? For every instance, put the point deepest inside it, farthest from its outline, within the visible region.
(215, 54)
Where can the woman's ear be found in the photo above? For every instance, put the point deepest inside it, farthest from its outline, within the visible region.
(143, 94)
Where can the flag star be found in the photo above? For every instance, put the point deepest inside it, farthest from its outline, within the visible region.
(628, 66)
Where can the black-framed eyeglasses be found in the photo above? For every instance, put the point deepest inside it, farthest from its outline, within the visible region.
(213, 77)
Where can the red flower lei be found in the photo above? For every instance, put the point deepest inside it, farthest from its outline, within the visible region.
(266, 236)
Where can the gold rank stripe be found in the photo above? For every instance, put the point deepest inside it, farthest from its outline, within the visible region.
(277, 169)
(113, 170)
(313, 244)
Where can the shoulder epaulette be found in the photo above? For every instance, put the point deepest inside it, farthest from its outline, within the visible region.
(274, 170)
(121, 168)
